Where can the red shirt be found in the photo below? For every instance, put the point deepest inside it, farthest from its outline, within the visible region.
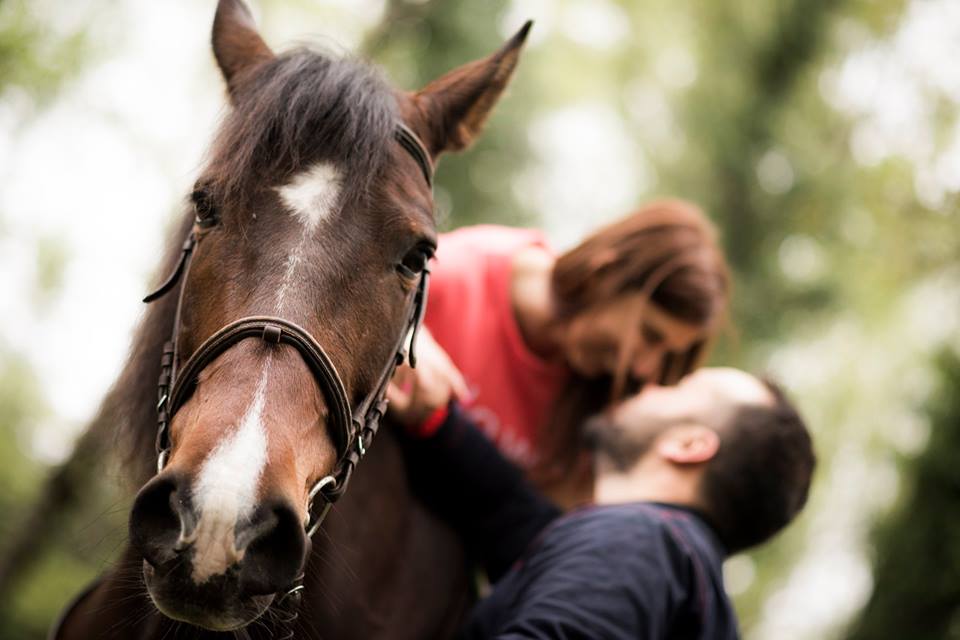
(470, 315)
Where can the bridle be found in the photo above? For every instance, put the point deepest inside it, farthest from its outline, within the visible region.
(353, 428)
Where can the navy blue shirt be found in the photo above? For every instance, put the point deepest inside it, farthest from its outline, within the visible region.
(640, 570)
(637, 570)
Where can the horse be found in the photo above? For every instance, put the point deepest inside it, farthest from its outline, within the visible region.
(297, 279)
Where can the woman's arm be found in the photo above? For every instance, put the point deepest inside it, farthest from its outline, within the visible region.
(416, 393)
(462, 476)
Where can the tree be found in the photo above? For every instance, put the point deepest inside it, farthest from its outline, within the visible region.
(916, 591)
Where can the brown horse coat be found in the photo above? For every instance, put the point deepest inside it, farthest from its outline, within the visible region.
(323, 215)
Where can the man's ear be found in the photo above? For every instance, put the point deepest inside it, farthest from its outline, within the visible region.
(688, 444)
(237, 44)
(454, 107)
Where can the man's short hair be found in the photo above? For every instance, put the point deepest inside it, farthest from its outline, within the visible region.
(760, 477)
(755, 484)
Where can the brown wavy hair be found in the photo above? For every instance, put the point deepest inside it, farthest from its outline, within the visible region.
(666, 250)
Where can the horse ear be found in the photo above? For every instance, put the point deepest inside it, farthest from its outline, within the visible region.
(236, 43)
(456, 105)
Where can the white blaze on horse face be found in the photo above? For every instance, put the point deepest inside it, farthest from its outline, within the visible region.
(226, 490)
(312, 196)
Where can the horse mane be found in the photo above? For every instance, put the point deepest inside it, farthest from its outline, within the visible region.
(301, 107)
(128, 415)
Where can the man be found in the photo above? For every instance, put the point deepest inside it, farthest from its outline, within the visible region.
(685, 476)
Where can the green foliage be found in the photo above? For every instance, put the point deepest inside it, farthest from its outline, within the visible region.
(58, 578)
(52, 257)
(35, 62)
(33, 57)
(916, 593)
(420, 42)
(21, 406)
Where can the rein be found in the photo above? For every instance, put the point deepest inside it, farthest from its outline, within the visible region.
(353, 428)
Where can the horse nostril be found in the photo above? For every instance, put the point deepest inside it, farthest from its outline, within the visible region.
(160, 513)
(275, 546)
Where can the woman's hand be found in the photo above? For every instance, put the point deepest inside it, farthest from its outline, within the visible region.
(416, 394)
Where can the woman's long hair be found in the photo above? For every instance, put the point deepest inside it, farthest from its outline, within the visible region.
(667, 251)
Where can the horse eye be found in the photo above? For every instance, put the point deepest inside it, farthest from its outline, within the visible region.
(204, 207)
(415, 262)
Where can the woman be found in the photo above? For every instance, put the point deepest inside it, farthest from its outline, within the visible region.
(532, 343)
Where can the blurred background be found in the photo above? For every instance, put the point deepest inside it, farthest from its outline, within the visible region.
(822, 136)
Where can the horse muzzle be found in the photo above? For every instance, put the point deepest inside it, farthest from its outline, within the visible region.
(214, 573)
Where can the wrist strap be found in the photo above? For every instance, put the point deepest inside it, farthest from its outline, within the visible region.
(434, 421)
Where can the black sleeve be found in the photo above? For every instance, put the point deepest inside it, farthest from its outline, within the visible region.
(615, 585)
(465, 479)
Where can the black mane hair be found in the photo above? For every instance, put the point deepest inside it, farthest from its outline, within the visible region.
(299, 108)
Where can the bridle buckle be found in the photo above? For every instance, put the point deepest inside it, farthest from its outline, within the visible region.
(312, 524)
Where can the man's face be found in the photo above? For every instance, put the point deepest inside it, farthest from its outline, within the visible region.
(709, 397)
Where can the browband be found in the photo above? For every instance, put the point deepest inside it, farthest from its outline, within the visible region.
(415, 147)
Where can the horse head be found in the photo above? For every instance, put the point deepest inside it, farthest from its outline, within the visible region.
(313, 214)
